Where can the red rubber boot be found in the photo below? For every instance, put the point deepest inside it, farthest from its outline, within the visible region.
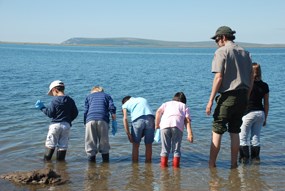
(176, 162)
(164, 162)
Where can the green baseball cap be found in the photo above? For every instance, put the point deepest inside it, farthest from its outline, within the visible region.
(223, 30)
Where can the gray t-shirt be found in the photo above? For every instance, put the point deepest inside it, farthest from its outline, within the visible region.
(236, 66)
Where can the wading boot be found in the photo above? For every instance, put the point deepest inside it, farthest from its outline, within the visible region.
(92, 158)
(164, 162)
(60, 155)
(244, 154)
(48, 154)
(105, 157)
(255, 150)
(176, 162)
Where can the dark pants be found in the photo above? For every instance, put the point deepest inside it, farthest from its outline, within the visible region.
(229, 111)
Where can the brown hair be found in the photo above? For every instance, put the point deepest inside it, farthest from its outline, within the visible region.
(256, 71)
(125, 99)
(60, 88)
(180, 96)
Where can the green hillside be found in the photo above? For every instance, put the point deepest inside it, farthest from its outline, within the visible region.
(151, 43)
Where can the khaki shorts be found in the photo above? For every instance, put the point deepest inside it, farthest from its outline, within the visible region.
(229, 111)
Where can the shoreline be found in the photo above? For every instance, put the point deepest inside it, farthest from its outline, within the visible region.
(206, 44)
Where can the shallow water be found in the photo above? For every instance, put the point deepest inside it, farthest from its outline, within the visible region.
(154, 73)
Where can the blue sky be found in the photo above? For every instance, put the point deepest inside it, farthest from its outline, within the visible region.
(54, 21)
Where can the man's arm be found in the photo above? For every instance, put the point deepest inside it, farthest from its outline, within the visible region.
(217, 81)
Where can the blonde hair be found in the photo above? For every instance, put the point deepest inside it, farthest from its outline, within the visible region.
(256, 71)
(97, 89)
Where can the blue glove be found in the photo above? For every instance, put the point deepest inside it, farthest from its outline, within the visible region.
(39, 104)
(157, 135)
(114, 127)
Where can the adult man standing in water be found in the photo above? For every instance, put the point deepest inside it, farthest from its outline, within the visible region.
(232, 67)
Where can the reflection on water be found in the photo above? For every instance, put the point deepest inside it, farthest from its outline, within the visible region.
(242, 178)
(97, 177)
(148, 177)
(170, 179)
(135, 177)
(140, 178)
(232, 182)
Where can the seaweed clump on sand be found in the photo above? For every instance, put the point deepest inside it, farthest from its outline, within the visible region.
(36, 177)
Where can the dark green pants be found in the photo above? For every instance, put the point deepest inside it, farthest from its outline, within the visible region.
(229, 111)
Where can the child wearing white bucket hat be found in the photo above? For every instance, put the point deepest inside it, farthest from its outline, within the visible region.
(63, 111)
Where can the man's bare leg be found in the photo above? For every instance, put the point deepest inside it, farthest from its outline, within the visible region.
(215, 148)
(234, 149)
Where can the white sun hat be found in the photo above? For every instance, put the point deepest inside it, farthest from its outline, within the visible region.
(54, 84)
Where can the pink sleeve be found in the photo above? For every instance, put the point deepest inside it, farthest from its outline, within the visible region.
(187, 113)
(162, 107)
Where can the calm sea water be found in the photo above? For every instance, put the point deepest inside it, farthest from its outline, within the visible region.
(154, 73)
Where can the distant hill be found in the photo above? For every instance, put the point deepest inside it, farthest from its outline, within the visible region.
(138, 42)
(152, 43)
